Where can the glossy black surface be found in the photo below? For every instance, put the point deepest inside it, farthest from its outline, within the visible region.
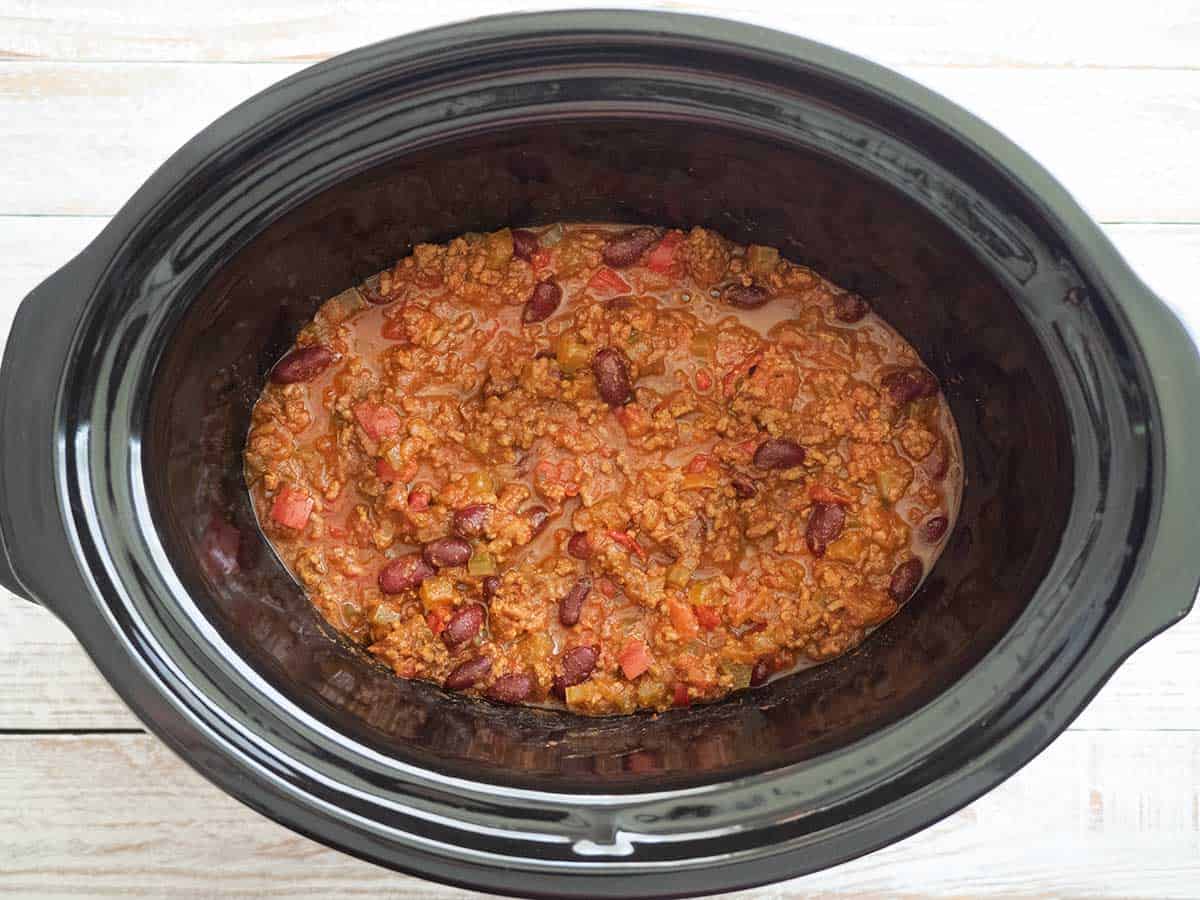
(136, 365)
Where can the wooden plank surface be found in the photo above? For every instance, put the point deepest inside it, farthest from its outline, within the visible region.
(1110, 815)
(81, 137)
(94, 95)
(1070, 33)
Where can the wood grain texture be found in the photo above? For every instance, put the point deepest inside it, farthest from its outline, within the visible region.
(941, 32)
(80, 138)
(1109, 815)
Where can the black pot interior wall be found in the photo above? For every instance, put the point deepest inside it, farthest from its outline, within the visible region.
(855, 230)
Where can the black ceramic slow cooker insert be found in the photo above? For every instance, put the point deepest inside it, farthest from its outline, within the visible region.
(129, 376)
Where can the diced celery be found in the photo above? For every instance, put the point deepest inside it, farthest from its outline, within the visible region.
(679, 575)
(437, 591)
(481, 563)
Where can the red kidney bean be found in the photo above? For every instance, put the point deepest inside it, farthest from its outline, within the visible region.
(910, 384)
(445, 552)
(577, 665)
(825, 523)
(472, 521)
(743, 487)
(627, 248)
(570, 607)
(905, 580)
(612, 376)
(491, 585)
(745, 296)
(538, 517)
(543, 301)
(463, 625)
(466, 674)
(579, 546)
(761, 671)
(511, 688)
(525, 244)
(850, 307)
(778, 453)
(404, 573)
(935, 528)
(937, 462)
(303, 364)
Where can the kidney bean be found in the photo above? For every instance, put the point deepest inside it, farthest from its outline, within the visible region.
(579, 546)
(850, 307)
(761, 671)
(472, 521)
(511, 688)
(905, 580)
(543, 301)
(937, 462)
(303, 364)
(825, 523)
(910, 384)
(627, 248)
(745, 296)
(466, 674)
(577, 665)
(778, 453)
(935, 528)
(491, 585)
(743, 487)
(463, 625)
(447, 551)
(403, 573)
(538, 517)
(525, 244)
(570, 607)
(612, 376)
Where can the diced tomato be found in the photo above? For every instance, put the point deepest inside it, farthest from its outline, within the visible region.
(338, 532)
(823, 494)
(629, 543)
(385, 472)
(633, 419)
(434, 620)
(606, 587)
(681, 694)
(541, 259)
(418, 500)
(607, 281)
(704, 381)
(708, 617)
(663, 256)
(682, 618)
(292, 508)
(698, 464)
(377, 420)
(634, 658)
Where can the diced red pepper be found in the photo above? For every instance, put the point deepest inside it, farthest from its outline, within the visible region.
(662, 257)
(682, 618)
(607, 281)
(541, 259)
(377, 420)
(708, 617)
(629, 543)
(704, 381)
(418, 500)
(634, 658)
(292, 508)
(434, 620)
(681, 694)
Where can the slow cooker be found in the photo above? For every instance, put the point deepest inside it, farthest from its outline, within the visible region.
(129, 376)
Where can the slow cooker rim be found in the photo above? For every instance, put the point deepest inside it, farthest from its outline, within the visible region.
(1109, 270)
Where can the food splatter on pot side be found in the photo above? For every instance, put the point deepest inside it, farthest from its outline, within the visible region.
(608, 467)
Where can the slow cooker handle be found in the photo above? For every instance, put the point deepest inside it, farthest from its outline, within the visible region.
(1166, 589)
(35, 555)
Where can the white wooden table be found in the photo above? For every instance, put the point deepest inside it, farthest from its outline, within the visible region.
(94, 95)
